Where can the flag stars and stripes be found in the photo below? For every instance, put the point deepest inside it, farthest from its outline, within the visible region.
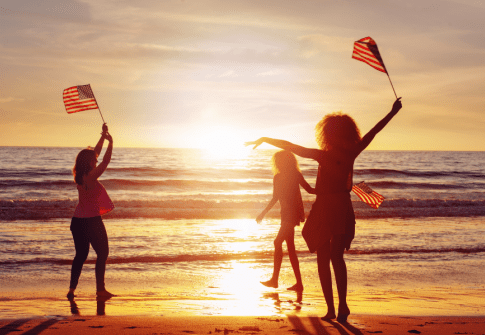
(366, 51)
(367, 195)
(79, 98)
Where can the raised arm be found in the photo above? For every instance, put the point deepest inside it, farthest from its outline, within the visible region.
(285, 145)
(380, 125)
(99, 146)
(98, 170)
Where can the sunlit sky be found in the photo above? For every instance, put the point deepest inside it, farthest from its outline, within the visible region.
(200, 73)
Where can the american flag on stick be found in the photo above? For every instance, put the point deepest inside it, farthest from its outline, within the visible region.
(367, 195)
(366, 51)
(79, 98)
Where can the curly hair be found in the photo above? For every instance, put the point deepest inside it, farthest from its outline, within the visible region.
(337, 130)
(82, 166)
(284, 161)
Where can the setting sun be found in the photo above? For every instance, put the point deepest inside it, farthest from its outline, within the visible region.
(220, 142)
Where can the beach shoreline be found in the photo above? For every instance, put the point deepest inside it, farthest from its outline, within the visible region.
(291, 324)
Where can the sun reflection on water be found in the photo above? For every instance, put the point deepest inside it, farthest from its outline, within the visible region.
(243, 235)
(242, 285)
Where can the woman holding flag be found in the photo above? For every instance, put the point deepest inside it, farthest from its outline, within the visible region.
(330, 227)
(87, 227)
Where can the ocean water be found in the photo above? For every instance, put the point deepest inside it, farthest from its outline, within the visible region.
(183, 236)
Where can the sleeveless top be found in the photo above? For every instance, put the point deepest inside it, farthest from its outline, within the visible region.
(333, 206)
(93, 201)
(335, 173)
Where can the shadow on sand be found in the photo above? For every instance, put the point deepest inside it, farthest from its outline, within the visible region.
(321, 327)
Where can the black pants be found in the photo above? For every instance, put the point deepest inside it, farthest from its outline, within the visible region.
(85, 232)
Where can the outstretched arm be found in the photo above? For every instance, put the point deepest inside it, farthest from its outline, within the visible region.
(380, 125)
(285, 145)
(99, 146)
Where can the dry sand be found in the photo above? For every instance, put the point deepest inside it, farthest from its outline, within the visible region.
(358, 324)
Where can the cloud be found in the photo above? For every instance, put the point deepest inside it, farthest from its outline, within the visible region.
(270, 73)
(229, 73)
(10, 99)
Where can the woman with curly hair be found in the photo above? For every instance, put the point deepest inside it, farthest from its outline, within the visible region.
(340, 144)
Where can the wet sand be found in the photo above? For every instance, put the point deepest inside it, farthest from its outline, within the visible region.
(357, 324)
(49, 312)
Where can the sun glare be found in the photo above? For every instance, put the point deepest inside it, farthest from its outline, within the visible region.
(244, 230)
(221, 142)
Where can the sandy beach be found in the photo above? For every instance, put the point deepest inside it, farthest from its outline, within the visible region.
(357, 324)
(49, 312)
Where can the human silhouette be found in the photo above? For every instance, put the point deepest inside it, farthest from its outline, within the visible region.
(286, 189)
(87, 227)
(340, 144)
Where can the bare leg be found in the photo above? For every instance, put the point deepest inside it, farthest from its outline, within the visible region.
(340, 271)
(278, 259)
(323, 261)
(295, 264)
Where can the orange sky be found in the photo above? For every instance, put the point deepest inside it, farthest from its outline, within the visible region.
(198, 73)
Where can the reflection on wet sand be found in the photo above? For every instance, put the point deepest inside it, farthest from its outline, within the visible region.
(297, 304)
(100, 306)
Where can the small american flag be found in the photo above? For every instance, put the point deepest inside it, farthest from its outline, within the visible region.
(79, 98)
(367, 195)
(366, 51)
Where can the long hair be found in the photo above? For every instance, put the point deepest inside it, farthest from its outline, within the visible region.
(82, 166)
(284, 161)
(337, 130)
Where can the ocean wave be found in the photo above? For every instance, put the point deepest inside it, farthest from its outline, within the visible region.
(427, 186)
(239, 207)
(221, 184)
(33, 173)
(131, 184)
(186, 183)
(36, 184)
(417, 174)
(150, 171)
(221, 257)
(309, 171)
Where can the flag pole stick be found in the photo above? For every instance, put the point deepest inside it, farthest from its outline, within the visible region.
(99, 109)
(391, 84)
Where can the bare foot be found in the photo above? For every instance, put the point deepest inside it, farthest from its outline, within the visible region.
(343, 314)
(296, 287)
(104, 294)
(329, 316)
(270, 283)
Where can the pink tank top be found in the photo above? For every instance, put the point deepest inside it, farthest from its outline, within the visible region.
(93, 201)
